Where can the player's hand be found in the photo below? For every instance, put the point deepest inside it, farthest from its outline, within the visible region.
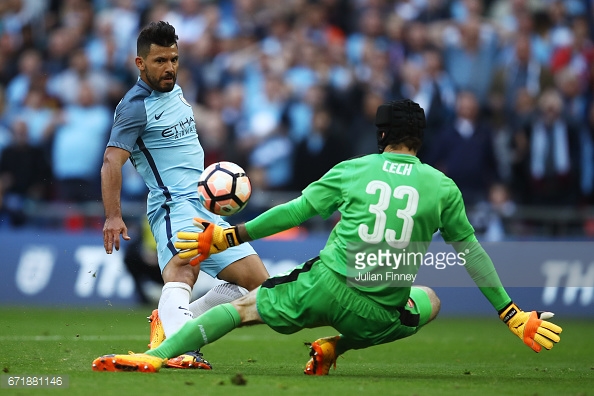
(531, 327)
(112, 229)
(200, 245)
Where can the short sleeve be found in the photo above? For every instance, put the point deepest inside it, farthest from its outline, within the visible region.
(128, 124)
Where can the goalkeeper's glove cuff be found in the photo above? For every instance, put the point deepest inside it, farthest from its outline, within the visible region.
(232, 237)
(508, 312)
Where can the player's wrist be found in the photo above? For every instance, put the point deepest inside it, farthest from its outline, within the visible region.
(508, 312)
(232, 237)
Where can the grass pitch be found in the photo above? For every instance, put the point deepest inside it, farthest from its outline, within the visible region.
(451, 356)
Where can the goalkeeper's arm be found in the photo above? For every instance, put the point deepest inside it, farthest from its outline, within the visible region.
(530, 327)
(215, 239)
(277, 219)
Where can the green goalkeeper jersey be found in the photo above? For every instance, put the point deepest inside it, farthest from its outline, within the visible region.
(388, 202)
(391, 201)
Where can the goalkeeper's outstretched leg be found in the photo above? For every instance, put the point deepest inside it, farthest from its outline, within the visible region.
(422, 307)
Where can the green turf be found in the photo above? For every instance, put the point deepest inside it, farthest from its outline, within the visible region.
(449, 357)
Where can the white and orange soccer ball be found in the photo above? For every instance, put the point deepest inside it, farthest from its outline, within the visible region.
(224, 188)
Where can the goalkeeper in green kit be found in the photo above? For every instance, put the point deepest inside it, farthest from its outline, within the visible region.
(389, 200)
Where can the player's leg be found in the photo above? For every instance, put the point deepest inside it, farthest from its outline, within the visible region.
(239, 266)
(364, 324)
(174, 312)
(221, 319)
(422, 307)
(193, 335)
(220, 294)
(427, 301)
(179, 277)
(248, 272)
(210, 326)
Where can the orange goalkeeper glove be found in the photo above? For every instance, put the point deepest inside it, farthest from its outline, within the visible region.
(200, 245)
(531, 327)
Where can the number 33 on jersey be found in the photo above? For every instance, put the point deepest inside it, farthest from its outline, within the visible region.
(395, 200)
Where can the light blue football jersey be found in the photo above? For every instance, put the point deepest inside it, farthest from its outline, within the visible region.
(159, 131)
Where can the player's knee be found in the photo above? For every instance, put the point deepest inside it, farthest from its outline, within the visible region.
(177, 271)
(246, 307)
(248, 272)
(435, 303)
(434, 300)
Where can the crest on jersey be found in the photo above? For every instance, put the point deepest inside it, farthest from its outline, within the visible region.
(181, 97)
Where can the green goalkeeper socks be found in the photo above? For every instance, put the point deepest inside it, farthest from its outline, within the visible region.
(208, 327)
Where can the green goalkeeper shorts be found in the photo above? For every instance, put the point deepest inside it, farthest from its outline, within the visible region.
(312, 295)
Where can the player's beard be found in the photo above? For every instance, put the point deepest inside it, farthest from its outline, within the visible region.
(159, 85)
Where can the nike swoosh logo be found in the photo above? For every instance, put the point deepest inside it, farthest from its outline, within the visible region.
(159, 116)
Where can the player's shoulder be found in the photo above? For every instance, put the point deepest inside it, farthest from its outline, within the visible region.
(135, 96)
(446, 186)
(429, 169)
(361, 158)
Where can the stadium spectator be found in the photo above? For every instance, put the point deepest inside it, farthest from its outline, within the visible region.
(79, 72)
(549, 161)
(435, 11)
(30, 74)
(38, 112)
(416, 84)
(24, 175)
(370, 34)
(587, 158)
(321, 149)
(124, 18)
(357, 133)
(417, 39)
(79, 137)
(571, 89)
(469, 51)
(60, 44)
(521, 70)
(463, 150)
(103, 52)
(190, 22)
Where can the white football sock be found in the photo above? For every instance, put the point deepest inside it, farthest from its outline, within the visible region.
(174, 306)
(220, 294)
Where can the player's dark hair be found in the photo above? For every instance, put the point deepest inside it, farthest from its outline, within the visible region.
(400, 122)
(158, 33)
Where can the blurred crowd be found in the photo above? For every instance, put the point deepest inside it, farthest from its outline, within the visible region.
(289, 88)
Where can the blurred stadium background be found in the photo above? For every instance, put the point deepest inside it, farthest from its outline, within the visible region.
(287, 89)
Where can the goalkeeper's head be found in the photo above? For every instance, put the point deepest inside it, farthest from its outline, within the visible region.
(400, 122)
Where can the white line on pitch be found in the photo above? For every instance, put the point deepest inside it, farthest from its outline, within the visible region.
(82, 337)
(236, 337)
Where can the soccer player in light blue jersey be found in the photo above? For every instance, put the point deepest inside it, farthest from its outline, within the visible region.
(154, 127)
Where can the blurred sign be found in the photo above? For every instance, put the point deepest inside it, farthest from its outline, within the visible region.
(58, 268)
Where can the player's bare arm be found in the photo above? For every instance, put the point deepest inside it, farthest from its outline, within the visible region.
(111, 186)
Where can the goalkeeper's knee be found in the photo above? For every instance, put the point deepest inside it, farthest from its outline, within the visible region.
(428, 304)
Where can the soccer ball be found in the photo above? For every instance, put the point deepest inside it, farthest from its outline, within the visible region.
(224, 188)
